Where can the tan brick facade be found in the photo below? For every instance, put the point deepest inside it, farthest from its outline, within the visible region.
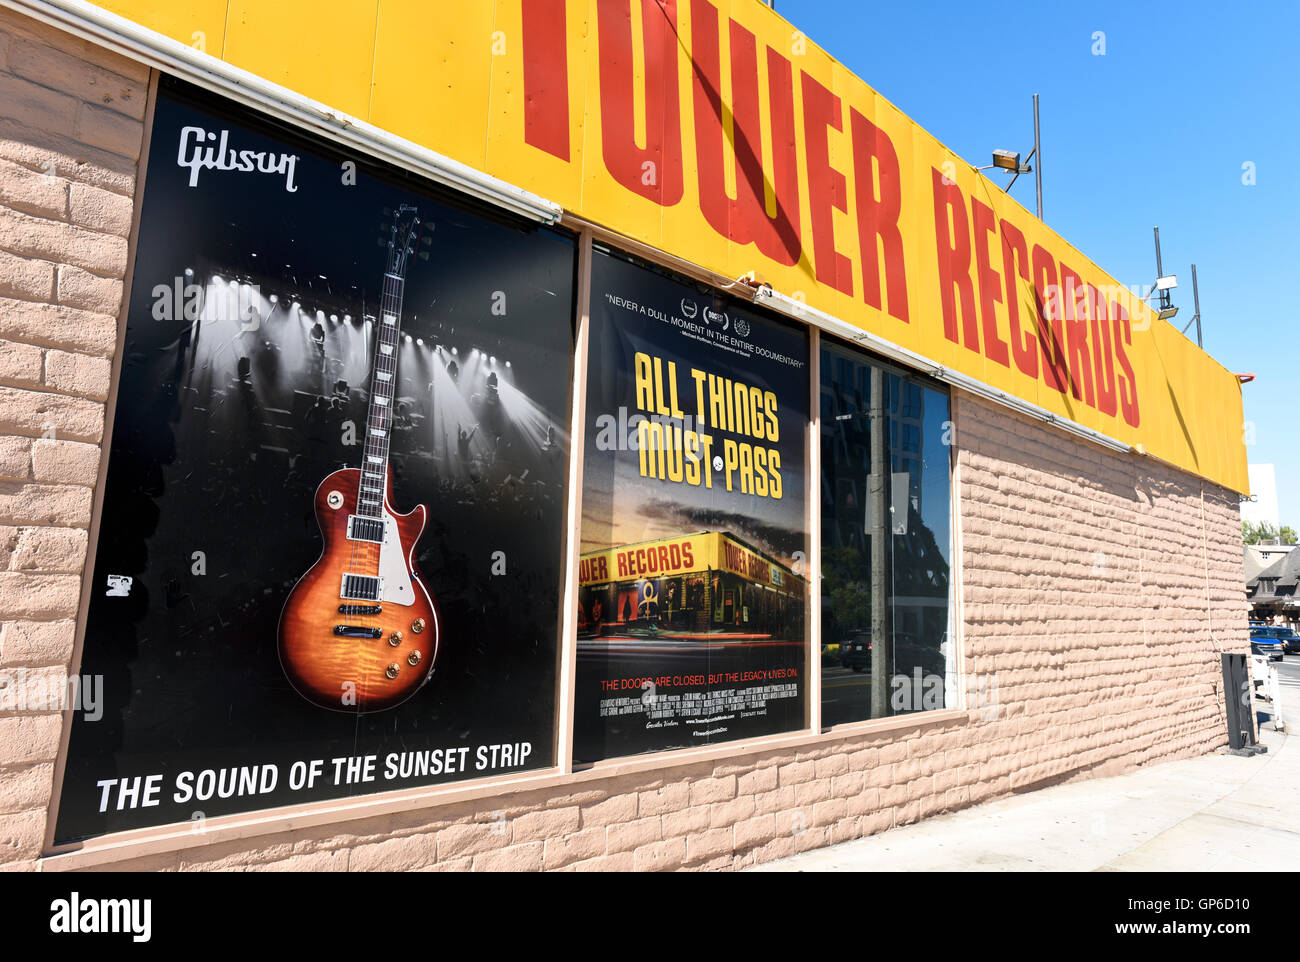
(71, 128)
(1096, 589)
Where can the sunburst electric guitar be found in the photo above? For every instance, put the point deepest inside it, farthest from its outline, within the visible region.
(359, 631)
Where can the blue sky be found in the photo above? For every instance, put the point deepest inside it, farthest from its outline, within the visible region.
(1155, 132)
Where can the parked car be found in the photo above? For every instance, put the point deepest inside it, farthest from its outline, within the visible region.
(910, 652)
(1289, 638)
(1263, 641)
(855, 651)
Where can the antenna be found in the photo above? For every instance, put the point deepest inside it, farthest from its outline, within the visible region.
(1196, 300)
(1165, 310)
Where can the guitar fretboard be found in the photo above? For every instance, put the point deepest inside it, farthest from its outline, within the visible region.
(383, 384)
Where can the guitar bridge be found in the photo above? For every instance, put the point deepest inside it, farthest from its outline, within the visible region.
(356, 631)
(360, 609)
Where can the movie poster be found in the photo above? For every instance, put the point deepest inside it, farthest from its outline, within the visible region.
(328, 561)
(693, 594)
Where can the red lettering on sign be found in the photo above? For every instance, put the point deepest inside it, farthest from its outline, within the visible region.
(1015, 268)
(1051, 325)
(745, 219)
(1128, 397)
(1075, 299)
(953, 243)
(826, 188)
(546, 76)
(990, 283)
(654, 172)
(878, 215)
(1102, 359)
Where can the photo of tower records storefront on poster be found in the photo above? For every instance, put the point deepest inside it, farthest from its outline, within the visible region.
(703, 600)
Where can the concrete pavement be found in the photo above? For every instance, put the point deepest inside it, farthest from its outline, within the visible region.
(1218, 812)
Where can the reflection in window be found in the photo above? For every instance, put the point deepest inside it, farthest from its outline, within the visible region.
(886, 541)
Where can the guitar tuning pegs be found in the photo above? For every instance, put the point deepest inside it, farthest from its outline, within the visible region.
(426, 240)
(382, 242)
(424, 255)
(388, 212)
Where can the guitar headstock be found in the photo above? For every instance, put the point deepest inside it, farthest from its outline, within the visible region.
(406, 237)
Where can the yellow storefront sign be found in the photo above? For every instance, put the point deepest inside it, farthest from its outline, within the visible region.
(714, 130)
(652, 559)
(691, 554)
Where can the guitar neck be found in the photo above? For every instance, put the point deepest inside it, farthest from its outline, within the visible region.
(383, 388)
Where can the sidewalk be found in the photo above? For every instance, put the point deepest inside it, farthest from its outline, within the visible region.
(1213, 813)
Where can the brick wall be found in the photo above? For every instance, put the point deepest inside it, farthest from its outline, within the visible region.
(1099, 591)
(71, 125)
(1097, 588)
(1091, 646)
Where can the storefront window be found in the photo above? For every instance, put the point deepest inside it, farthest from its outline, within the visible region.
(692, 586)
(328, 559)
(886, 540)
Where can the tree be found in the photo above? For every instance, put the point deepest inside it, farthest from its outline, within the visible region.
(1260, 532)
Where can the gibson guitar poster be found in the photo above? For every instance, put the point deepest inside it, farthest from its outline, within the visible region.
(328, 557)
(693, 590)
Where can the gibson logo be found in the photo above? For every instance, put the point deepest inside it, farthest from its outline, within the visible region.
(198, 152)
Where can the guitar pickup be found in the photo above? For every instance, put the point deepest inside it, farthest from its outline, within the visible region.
(365, 529)
(360, 609)
(356, 631)
(361, 587)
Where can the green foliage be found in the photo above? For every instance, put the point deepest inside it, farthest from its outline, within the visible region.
(846, 583)
(1261, 532)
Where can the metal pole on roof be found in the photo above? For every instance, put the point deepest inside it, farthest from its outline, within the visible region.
(1196, 298)
(1038, 164)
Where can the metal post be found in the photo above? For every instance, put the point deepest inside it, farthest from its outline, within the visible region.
(1165, 297)
(1038, 163)
(1196, 298)
(813, 620)
(881, 647)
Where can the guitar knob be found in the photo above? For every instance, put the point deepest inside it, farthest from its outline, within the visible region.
(418, 625)
(395, 639)
(413, 658)
(392, 670)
